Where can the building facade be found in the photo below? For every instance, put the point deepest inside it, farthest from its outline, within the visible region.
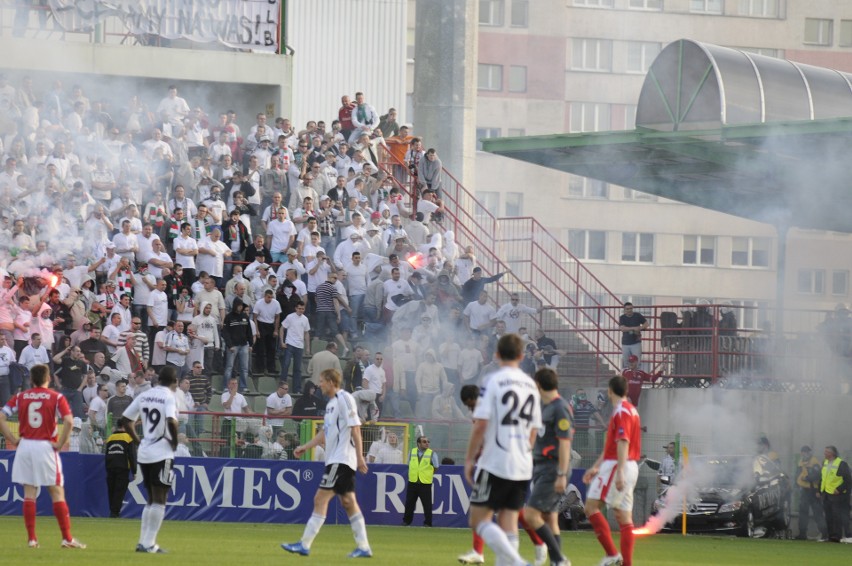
(556, 66)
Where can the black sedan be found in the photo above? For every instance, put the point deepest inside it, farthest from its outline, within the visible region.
(743, 495)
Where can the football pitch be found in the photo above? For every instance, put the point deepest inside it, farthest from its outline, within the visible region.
(112, 541)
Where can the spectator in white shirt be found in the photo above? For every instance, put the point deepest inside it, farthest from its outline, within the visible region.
(279, 404)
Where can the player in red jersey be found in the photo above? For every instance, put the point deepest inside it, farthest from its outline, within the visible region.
(613, 476)
(37, 461)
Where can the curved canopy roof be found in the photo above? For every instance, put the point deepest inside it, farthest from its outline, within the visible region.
(748, 135)
(696, 86)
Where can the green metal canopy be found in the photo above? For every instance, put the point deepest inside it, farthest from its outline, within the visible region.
(744, 134)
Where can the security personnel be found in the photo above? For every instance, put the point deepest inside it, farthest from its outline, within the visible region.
(421, 468)
(120, 465)
(834, 489)
(809, 479)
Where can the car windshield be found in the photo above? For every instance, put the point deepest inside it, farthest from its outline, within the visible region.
(732, 471)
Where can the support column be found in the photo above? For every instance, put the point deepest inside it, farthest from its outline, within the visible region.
(445, 74)
(783, 230)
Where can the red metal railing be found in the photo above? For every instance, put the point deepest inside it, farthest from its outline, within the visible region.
(541, 267)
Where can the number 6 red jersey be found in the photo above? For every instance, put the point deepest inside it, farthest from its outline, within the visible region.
(38, 409)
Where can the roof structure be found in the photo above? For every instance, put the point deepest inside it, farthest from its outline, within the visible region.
(749, 135)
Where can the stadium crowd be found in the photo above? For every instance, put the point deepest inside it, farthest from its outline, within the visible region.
(135, 238)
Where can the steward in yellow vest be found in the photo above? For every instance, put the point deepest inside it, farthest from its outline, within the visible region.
(421, 469)
(834, 489)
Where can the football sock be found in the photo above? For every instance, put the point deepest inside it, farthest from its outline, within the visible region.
(155, 520)
(143, 529)
(553, 548)
(533, 536)
(558, 537)
(514, 540)
(312, 529)
(30, 518)
(359, 530)
(497, 540)
(478, 543)
(601, 526)
(627, 539)
(60, 510)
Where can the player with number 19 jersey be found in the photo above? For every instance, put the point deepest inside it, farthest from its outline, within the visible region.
(511, 404)
(155, 406)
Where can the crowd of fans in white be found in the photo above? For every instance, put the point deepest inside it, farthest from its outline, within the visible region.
(136, 238)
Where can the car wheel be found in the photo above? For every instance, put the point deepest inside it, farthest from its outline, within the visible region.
(747, 528)
(784, 517)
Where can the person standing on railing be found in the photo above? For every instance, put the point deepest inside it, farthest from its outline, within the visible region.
(631, 324)
(430, 172)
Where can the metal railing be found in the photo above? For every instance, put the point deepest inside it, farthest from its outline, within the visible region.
(540, 267)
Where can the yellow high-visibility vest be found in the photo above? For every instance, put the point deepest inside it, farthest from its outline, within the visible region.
(420, 469)
(830, 480)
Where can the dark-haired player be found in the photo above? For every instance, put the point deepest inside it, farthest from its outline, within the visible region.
(613, 476)
(498, 463)
(37, 461)
(158, 411)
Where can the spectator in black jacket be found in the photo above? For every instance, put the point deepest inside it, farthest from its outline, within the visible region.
(120, 466)
(473, 286)
(258, 249)
(238, 340)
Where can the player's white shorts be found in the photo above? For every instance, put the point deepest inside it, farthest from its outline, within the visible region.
(37, 463)
(603, 488)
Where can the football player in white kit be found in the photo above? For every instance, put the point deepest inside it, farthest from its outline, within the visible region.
(158, 410)
(506, 421)
(344, 453)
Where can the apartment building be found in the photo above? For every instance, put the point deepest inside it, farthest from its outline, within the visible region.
(556, 66)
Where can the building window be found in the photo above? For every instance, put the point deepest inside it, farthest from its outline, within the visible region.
(517, 78)
(811, 282)
(490, 201)
(590, 117)
(818, 32)
(516, 132)
(520, 16)
(750, 252)
(630, 194)
(586, 244)
(594, 3)
(592, 55)
(640, 55)
(645, 5)
(750, 313)
(583, 187)
(759, 8)
(845, 33)
(491, 12)
(637, 247)
(490, 77)
(514, 204)
(705, 6)
(483, 133)
(699, 250)
(840, 283)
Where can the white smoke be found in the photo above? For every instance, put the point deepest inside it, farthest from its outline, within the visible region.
(733, 433)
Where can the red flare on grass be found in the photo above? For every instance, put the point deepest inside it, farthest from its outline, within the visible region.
(642, 531)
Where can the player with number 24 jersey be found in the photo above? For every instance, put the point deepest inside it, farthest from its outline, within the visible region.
(511, 404)
(155, 406)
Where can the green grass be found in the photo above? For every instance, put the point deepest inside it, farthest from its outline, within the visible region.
(111, 541)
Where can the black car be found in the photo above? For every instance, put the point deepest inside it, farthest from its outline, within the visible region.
(743, 495)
